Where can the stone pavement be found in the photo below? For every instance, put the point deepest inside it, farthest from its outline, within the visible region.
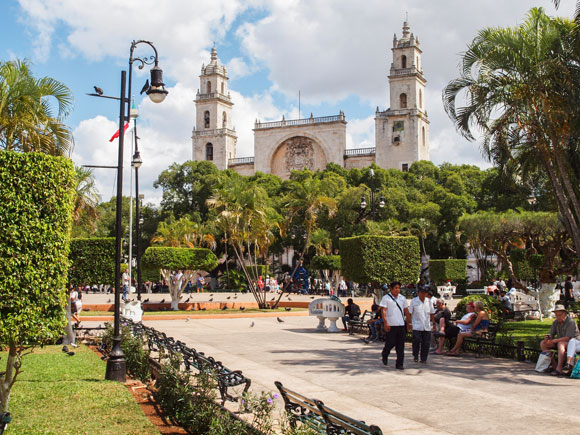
(449, 395)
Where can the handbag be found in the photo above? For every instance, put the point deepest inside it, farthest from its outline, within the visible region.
(576, 370)
(544, 361)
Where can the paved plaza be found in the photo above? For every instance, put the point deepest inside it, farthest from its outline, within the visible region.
(449, 395)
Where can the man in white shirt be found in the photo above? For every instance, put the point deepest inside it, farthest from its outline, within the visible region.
(423, 314)
(126, 283)
(395, 311)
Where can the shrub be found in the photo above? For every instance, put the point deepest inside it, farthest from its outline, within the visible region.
(259, 270)
(136, 353)
(92, 261)
(490, 304)
(441, 271)
(380, 259)
(522, 268)
(325, 262)
(234, 280)
(37, 195)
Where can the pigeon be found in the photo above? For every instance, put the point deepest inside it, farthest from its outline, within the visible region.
(229, 297)
(71, 353)
(162, 301)
(225, 308)
(210, 299)
(252, 325)
(145, 87)
(188, 299)
(287, 308)
(235, 296)
(146, 301)
(65, 348)
(109, 301)
(187, 319)
(98, 90)
(279, 320)
(272, 299)
(311, 297)
(211, 294)
(203, 309)
(242, 308)
(289, 299)
(87, 309)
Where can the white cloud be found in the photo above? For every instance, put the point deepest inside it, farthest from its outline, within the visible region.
(360, 133)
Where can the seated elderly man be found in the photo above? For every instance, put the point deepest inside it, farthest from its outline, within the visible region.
(563, 329)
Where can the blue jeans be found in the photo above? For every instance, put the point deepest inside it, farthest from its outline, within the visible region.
(125, 292)
(373, 327)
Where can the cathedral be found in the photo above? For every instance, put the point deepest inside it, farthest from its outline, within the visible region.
(401, 131)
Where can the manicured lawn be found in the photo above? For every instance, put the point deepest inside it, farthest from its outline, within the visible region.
(529, 331)
(196, 312)
(61, 394)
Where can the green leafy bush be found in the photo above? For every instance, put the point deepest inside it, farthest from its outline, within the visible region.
(325, 262)
(135, 350)
(441, 271)
(522, 267)
(36, 197)
(234, 280)
(92, 261)
(259, 270)
(162, 257)
(490, 304)
(380, 259)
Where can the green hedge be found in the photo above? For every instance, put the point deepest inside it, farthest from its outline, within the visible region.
(325, 262)
(156, 257)
(442, 270)
(36, 197)
(259, 270)
(380, 259)
(92, 261)
(490, 304)
(522, 268)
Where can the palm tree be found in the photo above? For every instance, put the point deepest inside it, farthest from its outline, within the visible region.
(248, 223)
(86, 196)
(183, 233)
(522, 87)
(28, 120)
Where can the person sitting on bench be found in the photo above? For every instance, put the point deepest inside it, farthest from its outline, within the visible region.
(351, 312)
(479, 326)
(565, 328)
(374, 323)
(453, 329)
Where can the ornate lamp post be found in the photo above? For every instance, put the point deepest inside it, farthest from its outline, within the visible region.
(116, 368)
(375, 201)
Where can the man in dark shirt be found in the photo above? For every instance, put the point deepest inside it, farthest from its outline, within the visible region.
(351, 312)
(568, 292)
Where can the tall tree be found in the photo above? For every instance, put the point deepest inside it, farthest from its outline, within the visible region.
(28, 120)
(522, 87)
(86, 195)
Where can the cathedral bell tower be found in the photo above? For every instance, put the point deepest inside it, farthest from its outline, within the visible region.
(214, 137)
(402, 131)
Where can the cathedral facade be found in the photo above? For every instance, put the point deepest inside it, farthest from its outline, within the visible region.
(401, 131)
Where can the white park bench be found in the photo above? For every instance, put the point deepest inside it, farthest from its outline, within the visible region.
(326, 308)
(446, 291)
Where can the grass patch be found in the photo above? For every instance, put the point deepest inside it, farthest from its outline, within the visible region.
(218, 311)
(61, 394)
(529, 331)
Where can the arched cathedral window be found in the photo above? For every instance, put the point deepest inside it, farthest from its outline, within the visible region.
(224, 120)
(206, 119)
(209, 151)
(403, 101)
(209, 87)
(403, 61)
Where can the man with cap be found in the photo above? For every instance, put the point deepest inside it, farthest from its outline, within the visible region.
(423, 314)
(564, 328)
(395, 311)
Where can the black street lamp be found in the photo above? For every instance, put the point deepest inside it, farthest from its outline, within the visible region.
(116, 366)
(375, 201)
(136, 162)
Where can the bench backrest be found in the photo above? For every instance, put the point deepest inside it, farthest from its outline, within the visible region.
(337, 422)
(296, 403)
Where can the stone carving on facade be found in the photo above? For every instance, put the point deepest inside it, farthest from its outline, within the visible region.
(299, 153)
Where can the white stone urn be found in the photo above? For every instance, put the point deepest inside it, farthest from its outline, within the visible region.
(547, 296)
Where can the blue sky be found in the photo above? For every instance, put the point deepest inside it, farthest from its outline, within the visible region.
(337, 52)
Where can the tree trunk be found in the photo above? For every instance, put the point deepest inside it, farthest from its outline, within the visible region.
(9, 377)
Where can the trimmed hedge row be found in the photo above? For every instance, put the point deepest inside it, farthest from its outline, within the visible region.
(92, 261)
(162, 257)
(325, 262)
(442, 270)
(37, 197)
(380, 259)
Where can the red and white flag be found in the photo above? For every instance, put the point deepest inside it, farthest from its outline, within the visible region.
(116, 135)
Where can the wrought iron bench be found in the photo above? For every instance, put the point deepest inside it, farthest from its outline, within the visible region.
(359, 326)
(315, 415)
(486, 337)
